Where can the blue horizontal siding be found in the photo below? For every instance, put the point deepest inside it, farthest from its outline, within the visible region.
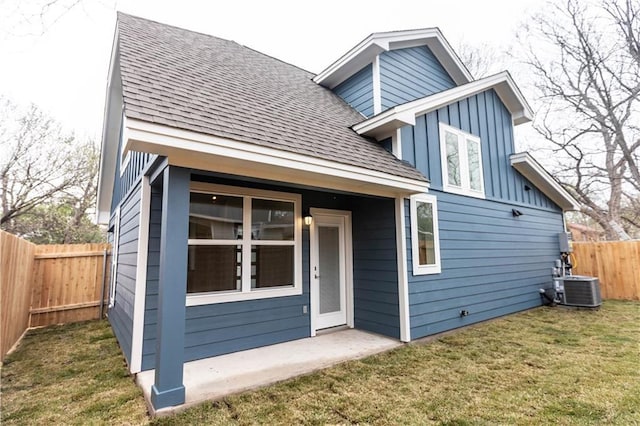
(485, 116)
(375, 268)
(410, 74)
(121, 314)
(222, 328)
(357, 91)
(492, 263)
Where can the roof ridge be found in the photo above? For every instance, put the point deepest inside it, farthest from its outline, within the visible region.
(128, 15)
(216, 37)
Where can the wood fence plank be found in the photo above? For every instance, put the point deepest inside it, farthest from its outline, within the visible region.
(615, 263)
(16, 272)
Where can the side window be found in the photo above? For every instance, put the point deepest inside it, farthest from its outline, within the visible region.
(425, 242)
(461, 162)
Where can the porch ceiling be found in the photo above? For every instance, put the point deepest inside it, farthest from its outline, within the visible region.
(214, 378)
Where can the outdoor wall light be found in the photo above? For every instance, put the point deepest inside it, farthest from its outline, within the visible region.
(308, 220)
(516, 212)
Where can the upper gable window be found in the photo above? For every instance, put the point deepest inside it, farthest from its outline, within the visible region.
(461, 156)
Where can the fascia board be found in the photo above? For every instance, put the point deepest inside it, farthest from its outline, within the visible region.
(502, 83)
(108, 152)
(524, 163)
(181, 145)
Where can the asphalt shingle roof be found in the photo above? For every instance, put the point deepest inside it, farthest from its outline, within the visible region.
(193, 81)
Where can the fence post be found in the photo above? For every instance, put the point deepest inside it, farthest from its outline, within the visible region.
(104, 273)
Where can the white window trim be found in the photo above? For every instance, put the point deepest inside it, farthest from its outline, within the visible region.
(246, 293)
(464, 162)
(419, 269)
(114, 258)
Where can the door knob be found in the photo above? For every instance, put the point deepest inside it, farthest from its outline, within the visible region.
(316, 276)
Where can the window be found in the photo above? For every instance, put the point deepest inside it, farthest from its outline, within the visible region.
(461, 162)
(425, 244)
(243, 244)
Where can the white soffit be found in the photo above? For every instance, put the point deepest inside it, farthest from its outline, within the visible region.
(528, 167)
(405, 114)
(365, 52)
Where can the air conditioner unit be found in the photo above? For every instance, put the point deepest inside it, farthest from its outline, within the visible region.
(581, 291)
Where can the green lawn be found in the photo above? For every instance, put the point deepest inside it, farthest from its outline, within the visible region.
(543, 366)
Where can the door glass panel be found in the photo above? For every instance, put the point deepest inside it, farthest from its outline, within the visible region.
(329, 268)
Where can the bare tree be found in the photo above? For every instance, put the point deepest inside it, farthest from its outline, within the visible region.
(585, 59)
(481, 59)
(40, 164)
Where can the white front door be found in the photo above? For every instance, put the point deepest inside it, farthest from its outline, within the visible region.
(331, 303)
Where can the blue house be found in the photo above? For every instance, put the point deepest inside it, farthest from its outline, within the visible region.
(250, 202)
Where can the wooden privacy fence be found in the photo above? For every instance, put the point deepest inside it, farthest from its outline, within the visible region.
(49, 284)
(615, 263)
(16, 271)
(67, 282)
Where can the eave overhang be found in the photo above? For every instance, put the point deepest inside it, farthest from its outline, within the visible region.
(199, 151)
(528, 167)
(405, 114)
(110, 130)
(365, 52)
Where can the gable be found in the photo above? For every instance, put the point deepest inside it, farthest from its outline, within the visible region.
(409, 74)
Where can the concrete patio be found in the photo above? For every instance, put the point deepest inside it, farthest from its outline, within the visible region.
(214, 378)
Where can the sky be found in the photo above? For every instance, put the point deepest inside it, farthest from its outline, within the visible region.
(59, 61)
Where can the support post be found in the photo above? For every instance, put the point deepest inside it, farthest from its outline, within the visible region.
(168, 389)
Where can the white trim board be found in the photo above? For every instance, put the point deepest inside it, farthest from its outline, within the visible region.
(405, 114)
(403, 278)
(140, 294)
(110, 132)
(377, 93)
(365, 52)
(205, 152)
(528, 167)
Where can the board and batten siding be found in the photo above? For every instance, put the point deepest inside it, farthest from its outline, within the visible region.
(410, 74)
(493, 264)
(222, 328)
(485, 116)
(121, 313)
(357, 91)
